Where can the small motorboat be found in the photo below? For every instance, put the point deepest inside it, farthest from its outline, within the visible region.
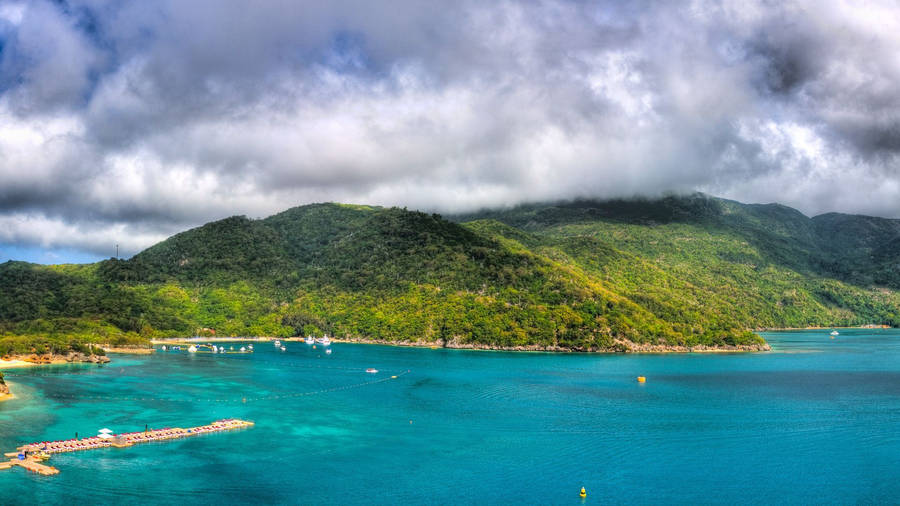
(834, 332)
(328, 351)
(326, 341)
(310, 340)
(283, 348)
(249, 346)
(371, 370)
(192, 349)
(277, 343)
(163, 348)
(243, 349)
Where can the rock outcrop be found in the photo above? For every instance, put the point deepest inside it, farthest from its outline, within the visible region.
(74, 356)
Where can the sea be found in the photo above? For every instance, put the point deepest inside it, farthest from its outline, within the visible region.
(815, 421)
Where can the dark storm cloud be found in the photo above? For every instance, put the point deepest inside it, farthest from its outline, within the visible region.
(126, 121)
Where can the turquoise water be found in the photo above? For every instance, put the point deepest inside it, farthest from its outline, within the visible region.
(816, 421)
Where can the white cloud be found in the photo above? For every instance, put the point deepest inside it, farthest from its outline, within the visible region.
(140, 119)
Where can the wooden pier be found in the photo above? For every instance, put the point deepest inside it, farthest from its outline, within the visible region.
(32, 454)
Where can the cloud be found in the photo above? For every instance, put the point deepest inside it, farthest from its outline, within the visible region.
(127, 121)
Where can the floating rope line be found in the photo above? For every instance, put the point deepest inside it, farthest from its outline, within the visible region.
(242, 399)
(56, 373)
(88, 370)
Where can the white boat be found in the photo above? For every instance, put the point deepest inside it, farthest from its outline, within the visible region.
(221, 349)
(371, 370)
(243, 349)
(163, 347)
(834, 332)
(328, 351)
(192, 349)
(277, 343)
(310, 340)
(249, 346)
(283, 348)
(326, 341)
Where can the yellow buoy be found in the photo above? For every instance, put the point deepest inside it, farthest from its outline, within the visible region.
(642, 379)
(583, 492)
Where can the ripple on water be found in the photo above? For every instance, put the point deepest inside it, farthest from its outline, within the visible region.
(475, 427)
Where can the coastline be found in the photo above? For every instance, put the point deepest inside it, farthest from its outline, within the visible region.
(621, 346)
(778, 329)
(71, 358)
(14, 364)
(130, 351)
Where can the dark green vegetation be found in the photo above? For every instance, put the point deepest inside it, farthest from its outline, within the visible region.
(584, 275)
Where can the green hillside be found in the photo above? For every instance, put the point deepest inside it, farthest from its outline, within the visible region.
(736, 264)
(581, 275)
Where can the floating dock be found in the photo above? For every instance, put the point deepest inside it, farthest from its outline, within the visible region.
(31, 455)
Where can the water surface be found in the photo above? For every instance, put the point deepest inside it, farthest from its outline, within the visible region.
(815, 421)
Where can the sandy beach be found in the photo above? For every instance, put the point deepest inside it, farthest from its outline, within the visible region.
(130, 351)
(12, 364)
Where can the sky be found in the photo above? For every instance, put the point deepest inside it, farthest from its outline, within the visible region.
(124, 122)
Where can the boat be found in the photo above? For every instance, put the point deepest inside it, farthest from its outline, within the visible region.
(277, 343)
(310, 340)
(834, 332)
(192, 349)
(371, 370)
(163, 348)
(243, 349)
(249, 346)
(326, 341)
(328, 351)
(283, 348)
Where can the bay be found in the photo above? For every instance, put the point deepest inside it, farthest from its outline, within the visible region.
(815, 421)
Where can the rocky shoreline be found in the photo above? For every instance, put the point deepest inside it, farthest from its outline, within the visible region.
(4, 388)
(620, 346)
(69, 358)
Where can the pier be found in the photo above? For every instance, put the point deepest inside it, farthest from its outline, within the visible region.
(31, 456)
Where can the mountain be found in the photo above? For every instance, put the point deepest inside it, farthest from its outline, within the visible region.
(584, 275)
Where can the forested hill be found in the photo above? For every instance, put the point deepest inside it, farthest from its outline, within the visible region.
(584, 275)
